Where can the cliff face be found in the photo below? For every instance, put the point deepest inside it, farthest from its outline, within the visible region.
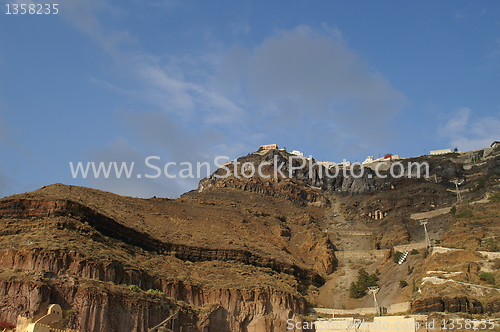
(88, 308)
(449, 304)
(26, 209)
(280, 167)
(62, 251)
(92, 291)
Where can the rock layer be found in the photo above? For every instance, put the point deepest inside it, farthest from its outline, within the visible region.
(30, 208)
(449, 304)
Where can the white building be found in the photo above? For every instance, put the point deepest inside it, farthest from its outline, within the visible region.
(389, 157)
(297, 153)
(368, 160)
(438, 152)
(269, 146)
(326, 164)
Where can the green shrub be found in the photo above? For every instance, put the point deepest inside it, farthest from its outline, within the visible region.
(488, 277)
(414, 287)
(154, 291)
(495, 197)
(414, 252)
(403, 283)
(490, 244)
(464, 214)
(365, 280)
(134, 288)
(356, 291)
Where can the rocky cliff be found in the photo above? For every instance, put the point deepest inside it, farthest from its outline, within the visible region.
(449, 304)
(26, 209)
(66, 251)
(94, 306)
(301, 175)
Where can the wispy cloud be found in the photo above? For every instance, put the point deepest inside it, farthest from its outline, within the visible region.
(470, 134)
(240, 27)
(308, 76)
(496, 52)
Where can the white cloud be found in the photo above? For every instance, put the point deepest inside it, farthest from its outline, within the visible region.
(470, 134)
(315, 67)
(310, 78)
(240, 27)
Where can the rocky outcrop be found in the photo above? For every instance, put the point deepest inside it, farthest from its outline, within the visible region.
(96, 293)
(87, 308)
(449, 304)
(493, 306)
(96, 307)
(31, 208)
(278, 187)
(279, 165)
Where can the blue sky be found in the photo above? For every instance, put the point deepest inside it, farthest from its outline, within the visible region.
(188, 81)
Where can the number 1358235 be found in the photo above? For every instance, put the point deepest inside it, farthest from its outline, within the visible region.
(31, 9)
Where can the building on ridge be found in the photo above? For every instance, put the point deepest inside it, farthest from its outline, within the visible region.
(438, 152)
(269, 146)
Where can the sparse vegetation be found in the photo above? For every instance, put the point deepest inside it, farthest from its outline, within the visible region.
(134, 288)
(495, 198)
(414, 252)
(403, 283)
(365, 280)
(464, 214)
(481, 182)
(490, 244)
(396, 256)
(414, 287)
(154, 291)
(488, 277)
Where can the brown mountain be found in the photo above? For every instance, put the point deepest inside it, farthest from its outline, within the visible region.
(245, 254)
